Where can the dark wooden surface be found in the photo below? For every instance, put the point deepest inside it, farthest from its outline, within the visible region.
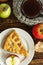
(13, 22)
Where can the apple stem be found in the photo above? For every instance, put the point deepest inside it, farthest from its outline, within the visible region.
(41, 30)
(5, 8)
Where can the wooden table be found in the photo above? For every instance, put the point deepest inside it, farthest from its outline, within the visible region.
(13, 22)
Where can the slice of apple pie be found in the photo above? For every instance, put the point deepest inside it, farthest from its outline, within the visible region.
(13, 43)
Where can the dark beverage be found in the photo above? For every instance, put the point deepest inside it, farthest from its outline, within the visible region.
(31, 8)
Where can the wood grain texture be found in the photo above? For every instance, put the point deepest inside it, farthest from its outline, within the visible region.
(37, 62)
(13, 22)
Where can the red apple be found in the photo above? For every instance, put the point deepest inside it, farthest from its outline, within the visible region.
(38, 31)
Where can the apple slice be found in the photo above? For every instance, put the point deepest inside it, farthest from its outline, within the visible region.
(38, 31)
(9, 61)
(12, 60)
(16, 61)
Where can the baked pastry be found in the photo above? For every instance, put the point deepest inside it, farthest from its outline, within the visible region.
(39, 47)
(13, 43)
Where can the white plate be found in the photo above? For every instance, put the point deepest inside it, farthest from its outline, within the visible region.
(26, 39)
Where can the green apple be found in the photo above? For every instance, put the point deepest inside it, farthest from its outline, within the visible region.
(5, 10)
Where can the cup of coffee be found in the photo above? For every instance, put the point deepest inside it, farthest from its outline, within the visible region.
(31, 8)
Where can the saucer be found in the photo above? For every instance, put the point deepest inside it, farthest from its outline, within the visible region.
(21, 17)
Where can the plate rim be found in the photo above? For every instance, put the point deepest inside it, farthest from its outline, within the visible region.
(30, 37)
